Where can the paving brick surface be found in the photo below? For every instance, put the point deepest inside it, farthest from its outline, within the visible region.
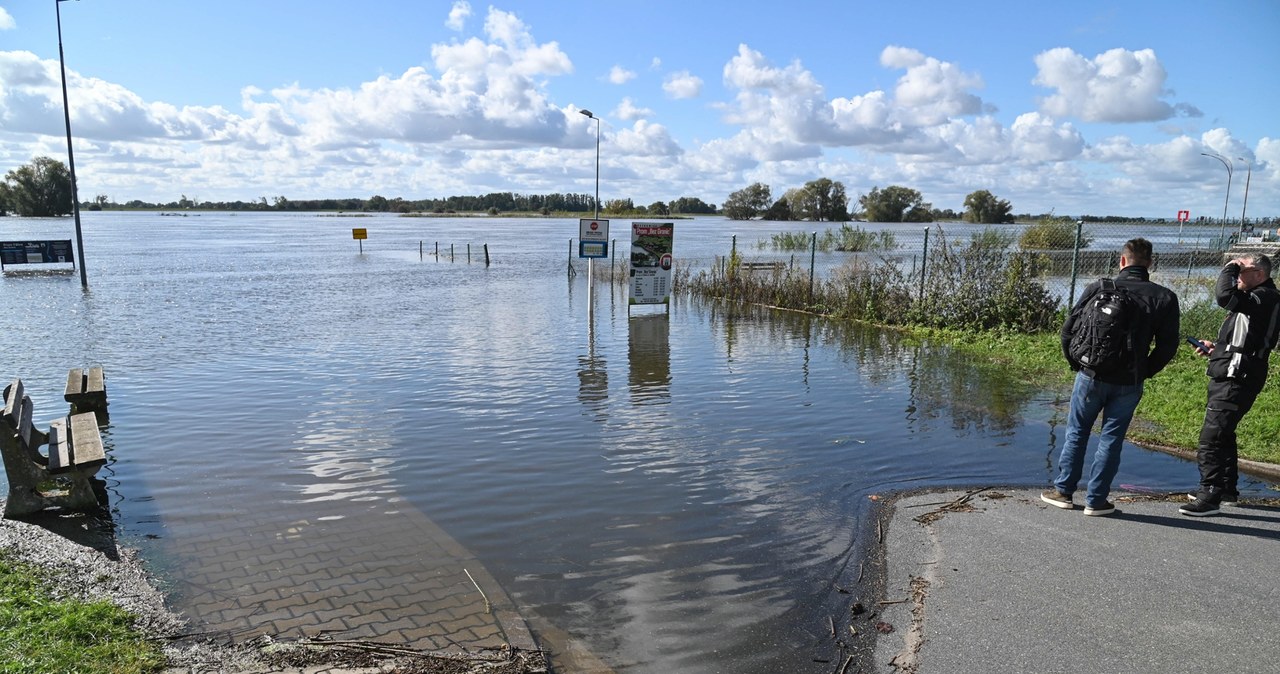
(383, 573)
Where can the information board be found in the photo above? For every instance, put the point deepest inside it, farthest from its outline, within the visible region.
(651, 262)
(36, 252)
(593, 238)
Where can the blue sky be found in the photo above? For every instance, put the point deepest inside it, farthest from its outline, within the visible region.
(1082, 107)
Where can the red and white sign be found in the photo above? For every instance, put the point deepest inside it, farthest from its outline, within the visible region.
(1184, 216)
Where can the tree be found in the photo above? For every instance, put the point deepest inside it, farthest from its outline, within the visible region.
(747, 202)
(827, 200)
(692, 205)
(780, 211)
(658, 208)
(984, 208)
(39, 189)
(895, 204)
(618, 206)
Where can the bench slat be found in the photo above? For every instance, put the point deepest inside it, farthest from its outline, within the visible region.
(59, 447)
(94, 384)
(13, 403)
(30, 436)
(86, 442)
(75, 383)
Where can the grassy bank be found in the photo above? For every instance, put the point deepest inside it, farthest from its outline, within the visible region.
(1172, 407)
(40, 633)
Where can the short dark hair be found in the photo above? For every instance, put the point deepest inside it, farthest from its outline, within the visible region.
(1137, 251)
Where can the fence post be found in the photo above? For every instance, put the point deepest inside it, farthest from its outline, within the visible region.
(437, 251)
(468, 253)
(1075, 265)
(451, 256)
(613, 249)
(486, 255)
(924, 260)
(813, 253)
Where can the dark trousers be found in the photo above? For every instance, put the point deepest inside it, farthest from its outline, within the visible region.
(1229, 401)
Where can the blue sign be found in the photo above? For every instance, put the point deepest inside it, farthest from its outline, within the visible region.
(590, 249)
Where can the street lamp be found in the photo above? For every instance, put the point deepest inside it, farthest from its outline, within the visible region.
(588, 114)
(591, 267)
(1247, 180)
(71, 160)
(1223, 229)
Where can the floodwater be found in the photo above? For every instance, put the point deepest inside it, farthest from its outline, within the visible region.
(675, 491)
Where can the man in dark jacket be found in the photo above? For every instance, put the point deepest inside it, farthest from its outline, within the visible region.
(1115, 392)
(1237, 370)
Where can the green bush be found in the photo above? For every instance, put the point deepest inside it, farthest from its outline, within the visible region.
(1052, 233)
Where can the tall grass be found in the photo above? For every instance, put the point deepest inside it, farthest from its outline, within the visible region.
(846, 239)
(980, 285)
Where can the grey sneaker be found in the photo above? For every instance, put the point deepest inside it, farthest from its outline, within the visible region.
(1105, 508)
(1057, 499)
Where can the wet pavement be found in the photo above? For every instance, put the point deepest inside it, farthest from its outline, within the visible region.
(997, 581)
(384, 574)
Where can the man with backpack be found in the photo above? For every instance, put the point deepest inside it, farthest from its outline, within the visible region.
(1107, 340)
(1237, 370)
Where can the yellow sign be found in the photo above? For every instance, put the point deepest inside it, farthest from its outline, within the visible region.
(359, 233)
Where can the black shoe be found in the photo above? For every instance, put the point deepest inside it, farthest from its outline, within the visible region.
(1106, 508)
(1229, 498)
(1201, 507)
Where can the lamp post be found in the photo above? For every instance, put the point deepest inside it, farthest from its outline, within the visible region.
(591, 276)
(1248, 178)
(71, 160)
(588, 114)
(1222, 234)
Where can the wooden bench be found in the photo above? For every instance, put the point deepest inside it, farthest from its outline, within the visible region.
(86, 390)
(65, 478)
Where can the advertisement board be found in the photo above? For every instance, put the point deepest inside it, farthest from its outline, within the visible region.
(651, 262)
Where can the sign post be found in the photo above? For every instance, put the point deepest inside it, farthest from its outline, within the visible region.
(360, 234)
(593, 242)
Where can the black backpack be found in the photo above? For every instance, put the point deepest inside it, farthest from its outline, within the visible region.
(1102, 337)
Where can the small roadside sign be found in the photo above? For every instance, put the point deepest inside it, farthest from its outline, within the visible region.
(1184, 216)
(593, 238)
(359, 233)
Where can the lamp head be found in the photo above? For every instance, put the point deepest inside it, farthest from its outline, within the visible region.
(587, 113)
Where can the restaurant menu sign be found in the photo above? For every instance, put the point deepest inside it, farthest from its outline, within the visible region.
(651, 262)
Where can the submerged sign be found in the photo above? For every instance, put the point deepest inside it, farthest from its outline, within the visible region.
(651, 262)
(35, 252)
(593, 238)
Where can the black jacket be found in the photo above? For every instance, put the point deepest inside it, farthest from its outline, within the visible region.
(1250, 331)
(1158, 323)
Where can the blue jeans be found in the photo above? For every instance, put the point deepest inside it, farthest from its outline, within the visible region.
(1089, 398)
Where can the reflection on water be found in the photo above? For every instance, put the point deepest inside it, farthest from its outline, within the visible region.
(665, 492)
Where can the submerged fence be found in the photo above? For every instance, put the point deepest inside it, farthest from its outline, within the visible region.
(957, 274)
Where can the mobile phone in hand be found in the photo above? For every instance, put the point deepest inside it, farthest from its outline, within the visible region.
(1196, 343)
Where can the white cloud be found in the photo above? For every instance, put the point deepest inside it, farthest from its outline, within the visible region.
(1116, 86)
(646, 139)
(682, 85)
(629, 111)
(620, 75)
(458, 15)
(932, 91)
(1037, 138)
(6, 20)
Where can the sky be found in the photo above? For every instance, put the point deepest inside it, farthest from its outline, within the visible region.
(1099, 108)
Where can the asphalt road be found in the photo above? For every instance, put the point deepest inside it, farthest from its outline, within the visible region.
(1002, 582)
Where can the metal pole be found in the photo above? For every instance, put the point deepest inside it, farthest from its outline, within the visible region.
(1222, 229)
(813, 252)
(924, 257)
(71, 159)
(1075, 264)
(1247, 180)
